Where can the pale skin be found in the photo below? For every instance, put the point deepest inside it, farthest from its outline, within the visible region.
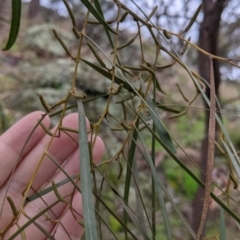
(63, 150)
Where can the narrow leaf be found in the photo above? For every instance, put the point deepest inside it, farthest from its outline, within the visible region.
(15, 24)
(159, 193)
(185, 46)
(222, 225)
(167, 109)
(96, 14)
(193, 18)
(139, 203)
(194, 177)
(109, 75)
(161, 130)
(70, 13)
(89, 218)
(232, 158)
(99, 9)
(131, 154)
(131, 214)
(159, 185)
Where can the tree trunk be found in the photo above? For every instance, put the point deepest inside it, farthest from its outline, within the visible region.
(33, 9)
(208, 40)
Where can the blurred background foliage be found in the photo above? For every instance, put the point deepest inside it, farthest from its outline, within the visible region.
(38, 64)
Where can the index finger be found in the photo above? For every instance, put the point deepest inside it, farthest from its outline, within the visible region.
(13, 140)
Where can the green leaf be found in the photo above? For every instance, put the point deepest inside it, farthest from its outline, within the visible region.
(161, 130)
(131, 154)
(15, 24)
(222, 235)
(158, 185)
(158, 86)
(139, 202)
(194, 177)
(167, 109)
(232, 158)
(109, 75)
(89, 217)
(96, 14)
(130, 213)
(159, 188)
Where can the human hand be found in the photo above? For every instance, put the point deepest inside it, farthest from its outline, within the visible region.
(63, 223)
